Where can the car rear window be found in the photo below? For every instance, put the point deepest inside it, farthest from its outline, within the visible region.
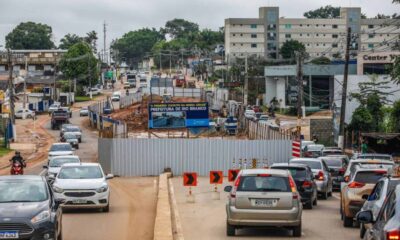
(331, 152)
(369, 177)
(333, 162)
(296, 173)
(311, 164)
(381, 157)
(60, 147)
(263, 184)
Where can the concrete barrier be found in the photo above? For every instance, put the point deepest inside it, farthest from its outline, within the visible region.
(163, 221)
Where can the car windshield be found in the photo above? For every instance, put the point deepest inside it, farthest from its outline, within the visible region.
(297, 173)
(73, 129)
(60, 147)
(58, 162)
(368, 156)
(84, 108)
(69, 136)
(333, 162)
(314, 147)
(311, 164)
(263, 184)
(80, 172)
(331, 152)
(22, 191)
(369, 177)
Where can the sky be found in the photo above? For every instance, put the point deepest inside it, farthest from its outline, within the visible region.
(121, 16)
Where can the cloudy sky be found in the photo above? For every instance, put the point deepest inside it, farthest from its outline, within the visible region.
(81, 16)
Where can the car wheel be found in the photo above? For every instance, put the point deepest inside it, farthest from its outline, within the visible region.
(309, 204)
(324, 195)
(297, 231)
(362, 230)
(330, 194)
(77, 146)
(58, 233)
(106, 208)
(29, 116)
(315, 202)
(230, 230)
(347, 221)
(80, 140)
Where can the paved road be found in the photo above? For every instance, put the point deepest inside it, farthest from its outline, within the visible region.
(206, 219)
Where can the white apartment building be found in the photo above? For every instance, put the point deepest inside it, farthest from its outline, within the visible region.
(263, 36)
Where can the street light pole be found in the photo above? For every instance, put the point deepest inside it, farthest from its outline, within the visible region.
(11, 86)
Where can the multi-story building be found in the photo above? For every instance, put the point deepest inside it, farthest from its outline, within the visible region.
(265, 35)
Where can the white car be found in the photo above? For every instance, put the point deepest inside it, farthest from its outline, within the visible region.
(93, 90)
(28, 113)
(116, 97)
(263, 118)
(54, 107)
(60, 149)
(249, 114)
(84, 112)
(76, 131)
(54, 165)
(82, 185)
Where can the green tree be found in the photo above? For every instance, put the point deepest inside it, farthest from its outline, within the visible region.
(395, 73)
(374, 107)
(396, 1)
(289, 48)
(361, 120)
(69, 40)
(80, 63)
(30, 35)
(323, 12)
(91, 38)
(373, 87)
(395, 116)
(321, 61)
(134, 45)
(180, 28)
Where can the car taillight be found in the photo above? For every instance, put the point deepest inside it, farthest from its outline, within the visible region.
(342, 170)
(320, 176)
(235, 186)
(306, 184)
(293, 187)
(356, 185)
(393, 235)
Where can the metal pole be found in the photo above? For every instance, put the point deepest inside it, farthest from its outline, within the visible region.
(246, 83)
(299, 56)
(344, 90)
(11, 86)
(90, 77)
(26, 76)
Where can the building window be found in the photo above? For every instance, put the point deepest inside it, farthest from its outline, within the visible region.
(370, 26)
(301, 25)
(308, 34)
(324, 25)
(308, 25)
(234, 54)
(234, 44)
(324, 35)
(301, 35)
(370, 45)
(241, 25)
(317, 25)
(271, 26)
(371, 35)
(334, 45)
(241, 44)
(317, 44)
(253, 45)
(335, 36)
(308, 44)
(288, 26)
(388, 35)
(253, 25)
(334, 26)
(317, 35)
(241, 34)
(234, 35)
(234, 25)
(323, 45)
(253, 35)
(287, 35)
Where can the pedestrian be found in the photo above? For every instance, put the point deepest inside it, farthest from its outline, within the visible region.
(315, 138)
(364, 147)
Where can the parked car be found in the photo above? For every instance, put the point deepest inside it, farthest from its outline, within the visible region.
(70, 138)
(313, 150)
(60, 149)
(28, 113)
(361, 183)
(83, 185)
(84, 111)
(263, 198)
(28, 209)
(74, 130)
(321, 172)
(374, 156)
(338, 164)
(304, 178)
(375, 200)
(116, 96)
(387, 225)
(54, 165)
(93, 90)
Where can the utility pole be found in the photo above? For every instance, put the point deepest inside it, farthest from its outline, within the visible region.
(90, 77)
(105, 58)
(170, 63)
(246, 82)
(160, 65)
(344, 90)
(54, 81)
(26, 76)
(299, 65)
(11, 86)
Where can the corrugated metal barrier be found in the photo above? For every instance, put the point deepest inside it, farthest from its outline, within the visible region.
(147, 157)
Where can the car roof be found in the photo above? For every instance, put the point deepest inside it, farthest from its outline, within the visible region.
(56, 144)
(305, 159)
(246, 172)
(80, 164)
(22, 177)
(297, 165)
(363, 160)
(66, 156)
(369, 169)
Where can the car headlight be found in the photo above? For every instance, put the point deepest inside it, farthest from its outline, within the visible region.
(102, 189)
(43, 216)
(57, 189)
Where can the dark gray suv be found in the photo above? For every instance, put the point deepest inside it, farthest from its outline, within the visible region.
(28, 209)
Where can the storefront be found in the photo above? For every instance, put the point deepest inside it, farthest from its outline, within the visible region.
(375, 63)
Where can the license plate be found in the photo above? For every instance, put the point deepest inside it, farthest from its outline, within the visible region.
(79, 201)
(264, 202)
(9, 235)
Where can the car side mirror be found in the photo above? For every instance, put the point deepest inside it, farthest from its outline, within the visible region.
(58, 202)
(365, 196)
(346, 179)
(227, 188)
(109, 176)
(365, 217)
(45, 167)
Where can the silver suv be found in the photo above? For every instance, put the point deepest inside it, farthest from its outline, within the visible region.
(263, 197)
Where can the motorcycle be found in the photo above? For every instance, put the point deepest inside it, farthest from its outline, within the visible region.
(17, 169)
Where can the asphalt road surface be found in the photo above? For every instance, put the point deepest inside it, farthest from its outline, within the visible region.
(206, 218)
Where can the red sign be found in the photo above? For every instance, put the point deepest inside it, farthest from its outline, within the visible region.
(190, 179)
(232, 174)
(216, 177)
(296, 149)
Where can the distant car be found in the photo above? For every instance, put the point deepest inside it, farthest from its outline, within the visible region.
(337, 164)
(305, 143)
(313, 150)
(116, 97)
(67, 109)
(374, 156)
(64, 127)
(93, 90)
(70, 138)
(321, 172)
(54, 107)
(60, 149)
(263, 198)
(375, 200)
(84, 111)
(361, 183)
(74, 130)
(304, 178)
(28, 113)
(263, 118)
(82, 185)
(54, 165)
(387, 225)
(28, 209)
(127, 85)
(331, 151)
(249, 114)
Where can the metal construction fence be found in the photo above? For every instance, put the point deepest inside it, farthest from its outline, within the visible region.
(129, 100)
(175, 91)
(264, 131)
(148, 157)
